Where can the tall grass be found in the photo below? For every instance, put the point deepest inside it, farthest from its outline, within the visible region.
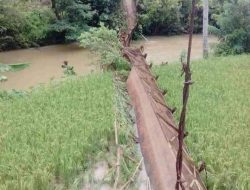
(218, 116)
(50, 135)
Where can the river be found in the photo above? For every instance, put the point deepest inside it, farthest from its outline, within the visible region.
(45, 62)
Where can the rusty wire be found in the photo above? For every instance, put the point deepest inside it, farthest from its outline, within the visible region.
(182, 122)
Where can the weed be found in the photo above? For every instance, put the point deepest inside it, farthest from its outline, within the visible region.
(126, 129)
(105, 42)
(67, 69)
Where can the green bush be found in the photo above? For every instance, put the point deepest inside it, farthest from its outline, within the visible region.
(11, 25)
(106, 11)
(160, 17)
(105, 43)
(72, 18)
(233, 28)
(37, 25)
(167, 17)
(75, 17)
(21, 29)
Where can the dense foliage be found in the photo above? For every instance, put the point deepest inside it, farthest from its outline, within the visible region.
(72, 18)
(233, 28)
(31, 23)
(160, 17)
(167, 17)
(23, 28)
(25, 23)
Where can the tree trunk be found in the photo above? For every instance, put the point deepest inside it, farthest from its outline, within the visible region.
(205, 28)
(53, 6)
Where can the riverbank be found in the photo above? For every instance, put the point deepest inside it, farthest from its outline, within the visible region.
(45, 62)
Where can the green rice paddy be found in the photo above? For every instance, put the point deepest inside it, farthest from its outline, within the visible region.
(50, 136)
(218, 119)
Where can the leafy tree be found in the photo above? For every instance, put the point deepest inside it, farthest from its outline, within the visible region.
(73, 18)
(11, 23)
(19, 28)
(160, 17)
(105, 11)
(36, 27)
(25, 23)
(168, 16)
(77, 16)
(233, 28)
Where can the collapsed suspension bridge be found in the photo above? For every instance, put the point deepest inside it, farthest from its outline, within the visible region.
(158, 133)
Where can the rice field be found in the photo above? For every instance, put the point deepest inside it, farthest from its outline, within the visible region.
(218, 118)
(51, 135)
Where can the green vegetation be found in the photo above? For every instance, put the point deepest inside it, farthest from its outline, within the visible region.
(106, 43)
(233, 28)
(126, 132)
(169, 17)
(50, 136)
(75, 17)
(218, 116)
(22, 27)
(32, 23)
(160, 17)
(68, 70)
(72, 18)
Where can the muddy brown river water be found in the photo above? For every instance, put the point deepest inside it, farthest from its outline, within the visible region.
(45, 62)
